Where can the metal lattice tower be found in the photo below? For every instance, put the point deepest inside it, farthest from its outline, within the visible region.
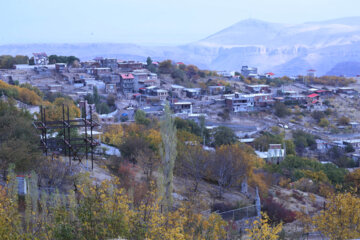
(69, 146)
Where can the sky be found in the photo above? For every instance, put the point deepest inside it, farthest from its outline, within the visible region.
(150, 22)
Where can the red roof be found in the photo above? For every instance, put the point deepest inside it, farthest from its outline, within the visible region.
(320, 91)
(180, 63)
(313, 95)
(315, 101)
(271, 74)
(126, 76)
(137, 94)
(311, 70)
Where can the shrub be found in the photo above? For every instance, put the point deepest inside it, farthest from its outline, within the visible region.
(324, 122)
(277, 212)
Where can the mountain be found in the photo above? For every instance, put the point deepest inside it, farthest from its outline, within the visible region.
(284, 48)
(331, 46)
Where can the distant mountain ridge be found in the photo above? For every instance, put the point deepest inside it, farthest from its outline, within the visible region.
(331, 46)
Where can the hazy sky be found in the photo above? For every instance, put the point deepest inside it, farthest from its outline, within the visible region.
(150, 21)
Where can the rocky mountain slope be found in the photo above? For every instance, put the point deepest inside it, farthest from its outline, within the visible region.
(282, 48)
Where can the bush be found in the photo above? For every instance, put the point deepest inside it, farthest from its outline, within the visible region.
(281, 110)
(324, 122)
(277, 212)
(224, 136)
(344, 121)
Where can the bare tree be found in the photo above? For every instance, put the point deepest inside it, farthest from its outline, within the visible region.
(194, 164)
(148, 161)
(230, 166)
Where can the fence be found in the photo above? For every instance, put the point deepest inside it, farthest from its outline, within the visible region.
(239, 214)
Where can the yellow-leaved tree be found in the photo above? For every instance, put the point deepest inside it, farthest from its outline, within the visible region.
(262, 230)
(113, 134)
(341, 217)
(54, 110)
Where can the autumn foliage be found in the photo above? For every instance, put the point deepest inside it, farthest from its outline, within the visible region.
(24, 95)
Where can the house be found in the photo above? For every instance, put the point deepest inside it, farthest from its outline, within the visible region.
(225, 74)
(129, 66)
(260, 88)
(274, 155)
(177, 90)
(314, 102)
(313, 98)
(127, 82)
(144, 78)
(182, 107)
(99, 71)
(110, 88)
(354, 125)
(161, 94)
(247, 102)
(354, 142)
(41, 59)
(323, 92)
(215, 90)
(60, 67)
(247, 71)
(269, 75)
(322, 146)
(346, 90)
(109, 63)
(311, 73)
(192, 92)
(55, 88)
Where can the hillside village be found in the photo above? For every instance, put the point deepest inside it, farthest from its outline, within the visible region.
(246, 143)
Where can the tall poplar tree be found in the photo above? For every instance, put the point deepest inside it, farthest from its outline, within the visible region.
(168, 156)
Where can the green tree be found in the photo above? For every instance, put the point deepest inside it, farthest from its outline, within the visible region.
(140, 118)
(281, 110)
(148, 61)
(168, 155)
(224, 136)
(324, 122)
(102, 108)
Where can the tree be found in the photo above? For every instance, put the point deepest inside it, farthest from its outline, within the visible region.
(168, 154)
(324, 122)
(102, 108)
(349, 148)
(223, 136)
(290, 147)
(281, 110)
(149, 161)
(262, 143)
(113, 134)
(140, 118)
(148, 61)
(340, 218)
(262, 230)
(18, 139)
(54, 111)
(166, 67)
(110, 100)
(344, 120)
(231, 164)
(194, 164)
